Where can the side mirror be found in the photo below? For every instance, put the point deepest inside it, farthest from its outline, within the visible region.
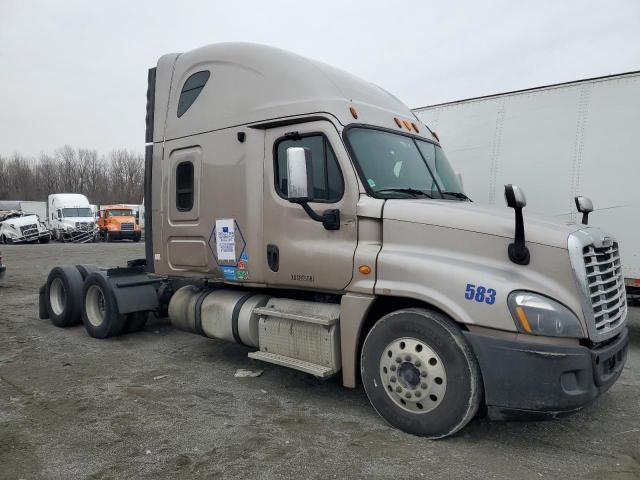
(514, 196)
(299, 174)
(300, 187)
(585, 207)
(518, 251)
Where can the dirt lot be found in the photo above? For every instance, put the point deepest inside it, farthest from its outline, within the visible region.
(166, 404)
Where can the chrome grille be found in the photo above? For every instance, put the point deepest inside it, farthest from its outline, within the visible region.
(126, 226)
(29, 231)
(605, 286)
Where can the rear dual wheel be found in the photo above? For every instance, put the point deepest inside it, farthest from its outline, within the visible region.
(420, 374)
(63, 296)
(100, 313)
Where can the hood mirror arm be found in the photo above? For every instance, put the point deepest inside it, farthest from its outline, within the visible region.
(518, 251)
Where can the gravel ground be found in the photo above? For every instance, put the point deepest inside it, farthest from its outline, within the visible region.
(165, 404)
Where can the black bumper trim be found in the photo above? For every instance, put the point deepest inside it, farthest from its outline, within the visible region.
(532, 379)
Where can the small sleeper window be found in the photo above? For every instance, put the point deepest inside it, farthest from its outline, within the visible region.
(184, 186)
(191, 89)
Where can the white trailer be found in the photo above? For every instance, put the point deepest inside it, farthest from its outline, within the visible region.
(556, 142)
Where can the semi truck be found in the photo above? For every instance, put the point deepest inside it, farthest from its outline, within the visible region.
(584, 144)
(310, 216)
(17, 226)
(118, 222)
(70, 218)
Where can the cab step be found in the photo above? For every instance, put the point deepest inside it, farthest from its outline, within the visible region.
(319, 371)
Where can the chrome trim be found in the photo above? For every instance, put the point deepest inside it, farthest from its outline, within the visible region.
(576, 244)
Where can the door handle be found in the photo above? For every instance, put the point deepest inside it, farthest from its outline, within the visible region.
(273, 257)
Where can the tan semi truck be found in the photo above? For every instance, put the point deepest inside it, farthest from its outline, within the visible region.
(310, 216)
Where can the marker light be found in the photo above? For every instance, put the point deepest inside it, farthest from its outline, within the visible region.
(407, 125)
(398, 122)
(536, 314)
(353, 112)
(364, 269)
(435, 135)
(415, 127)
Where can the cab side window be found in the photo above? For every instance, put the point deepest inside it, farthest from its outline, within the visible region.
(328, 185)
(184, 186)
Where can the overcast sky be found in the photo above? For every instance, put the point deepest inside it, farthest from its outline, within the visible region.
(74, 71)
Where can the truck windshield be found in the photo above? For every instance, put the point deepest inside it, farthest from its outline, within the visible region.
(120, 213)
(76, 212)
(395, 165)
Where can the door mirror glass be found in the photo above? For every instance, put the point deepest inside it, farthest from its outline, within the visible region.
(299, 174)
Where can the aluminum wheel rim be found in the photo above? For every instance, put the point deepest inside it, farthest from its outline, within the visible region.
(95, 305)
(57, 296)
(413, 375)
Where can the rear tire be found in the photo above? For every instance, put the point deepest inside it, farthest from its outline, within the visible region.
(100, 313)
(420, 374)
(63, 296)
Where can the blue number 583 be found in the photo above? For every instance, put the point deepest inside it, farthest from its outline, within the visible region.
(480, 294)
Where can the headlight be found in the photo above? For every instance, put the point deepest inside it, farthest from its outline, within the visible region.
(539, 315)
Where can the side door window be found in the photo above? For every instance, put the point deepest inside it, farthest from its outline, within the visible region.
(328, 184)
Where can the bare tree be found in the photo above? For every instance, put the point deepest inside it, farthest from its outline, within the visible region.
(116, 178)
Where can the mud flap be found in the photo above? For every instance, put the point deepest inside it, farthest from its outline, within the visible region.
(134, 290)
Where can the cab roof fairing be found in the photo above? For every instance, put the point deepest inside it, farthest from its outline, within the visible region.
(252, 83)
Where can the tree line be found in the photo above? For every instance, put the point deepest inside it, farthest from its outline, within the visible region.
(117, 177)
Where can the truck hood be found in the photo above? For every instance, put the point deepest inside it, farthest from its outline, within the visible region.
(478, 218)
(118, 220)
(71, 221)
(22, 221)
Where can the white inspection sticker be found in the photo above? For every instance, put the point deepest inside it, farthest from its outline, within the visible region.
(226, 239)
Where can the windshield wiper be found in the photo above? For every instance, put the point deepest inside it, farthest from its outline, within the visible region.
(410, 191)
(459, 195)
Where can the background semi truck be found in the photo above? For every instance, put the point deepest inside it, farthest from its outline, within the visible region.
(70, 218)
(308, 215)
(557, 142)
(118, 222)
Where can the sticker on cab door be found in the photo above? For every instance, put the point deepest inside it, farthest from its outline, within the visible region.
(480, 294)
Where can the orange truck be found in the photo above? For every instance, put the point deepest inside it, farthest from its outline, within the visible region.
(118, 222)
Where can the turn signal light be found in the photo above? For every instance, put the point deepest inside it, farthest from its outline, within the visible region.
(364, 269)
(353, 112)
(522, 318)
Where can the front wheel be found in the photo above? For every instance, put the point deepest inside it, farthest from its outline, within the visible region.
(420, 374)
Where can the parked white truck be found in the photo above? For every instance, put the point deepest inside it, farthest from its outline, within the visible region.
(70, 218)
(556, 142)
(309, 215)
(20, 227)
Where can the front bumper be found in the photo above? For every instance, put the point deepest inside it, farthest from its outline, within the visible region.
(536, 380)
(125, 234)
(79, 235)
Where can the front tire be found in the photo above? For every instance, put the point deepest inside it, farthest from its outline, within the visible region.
(100, 313)
(420, 373)
(44, 239)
